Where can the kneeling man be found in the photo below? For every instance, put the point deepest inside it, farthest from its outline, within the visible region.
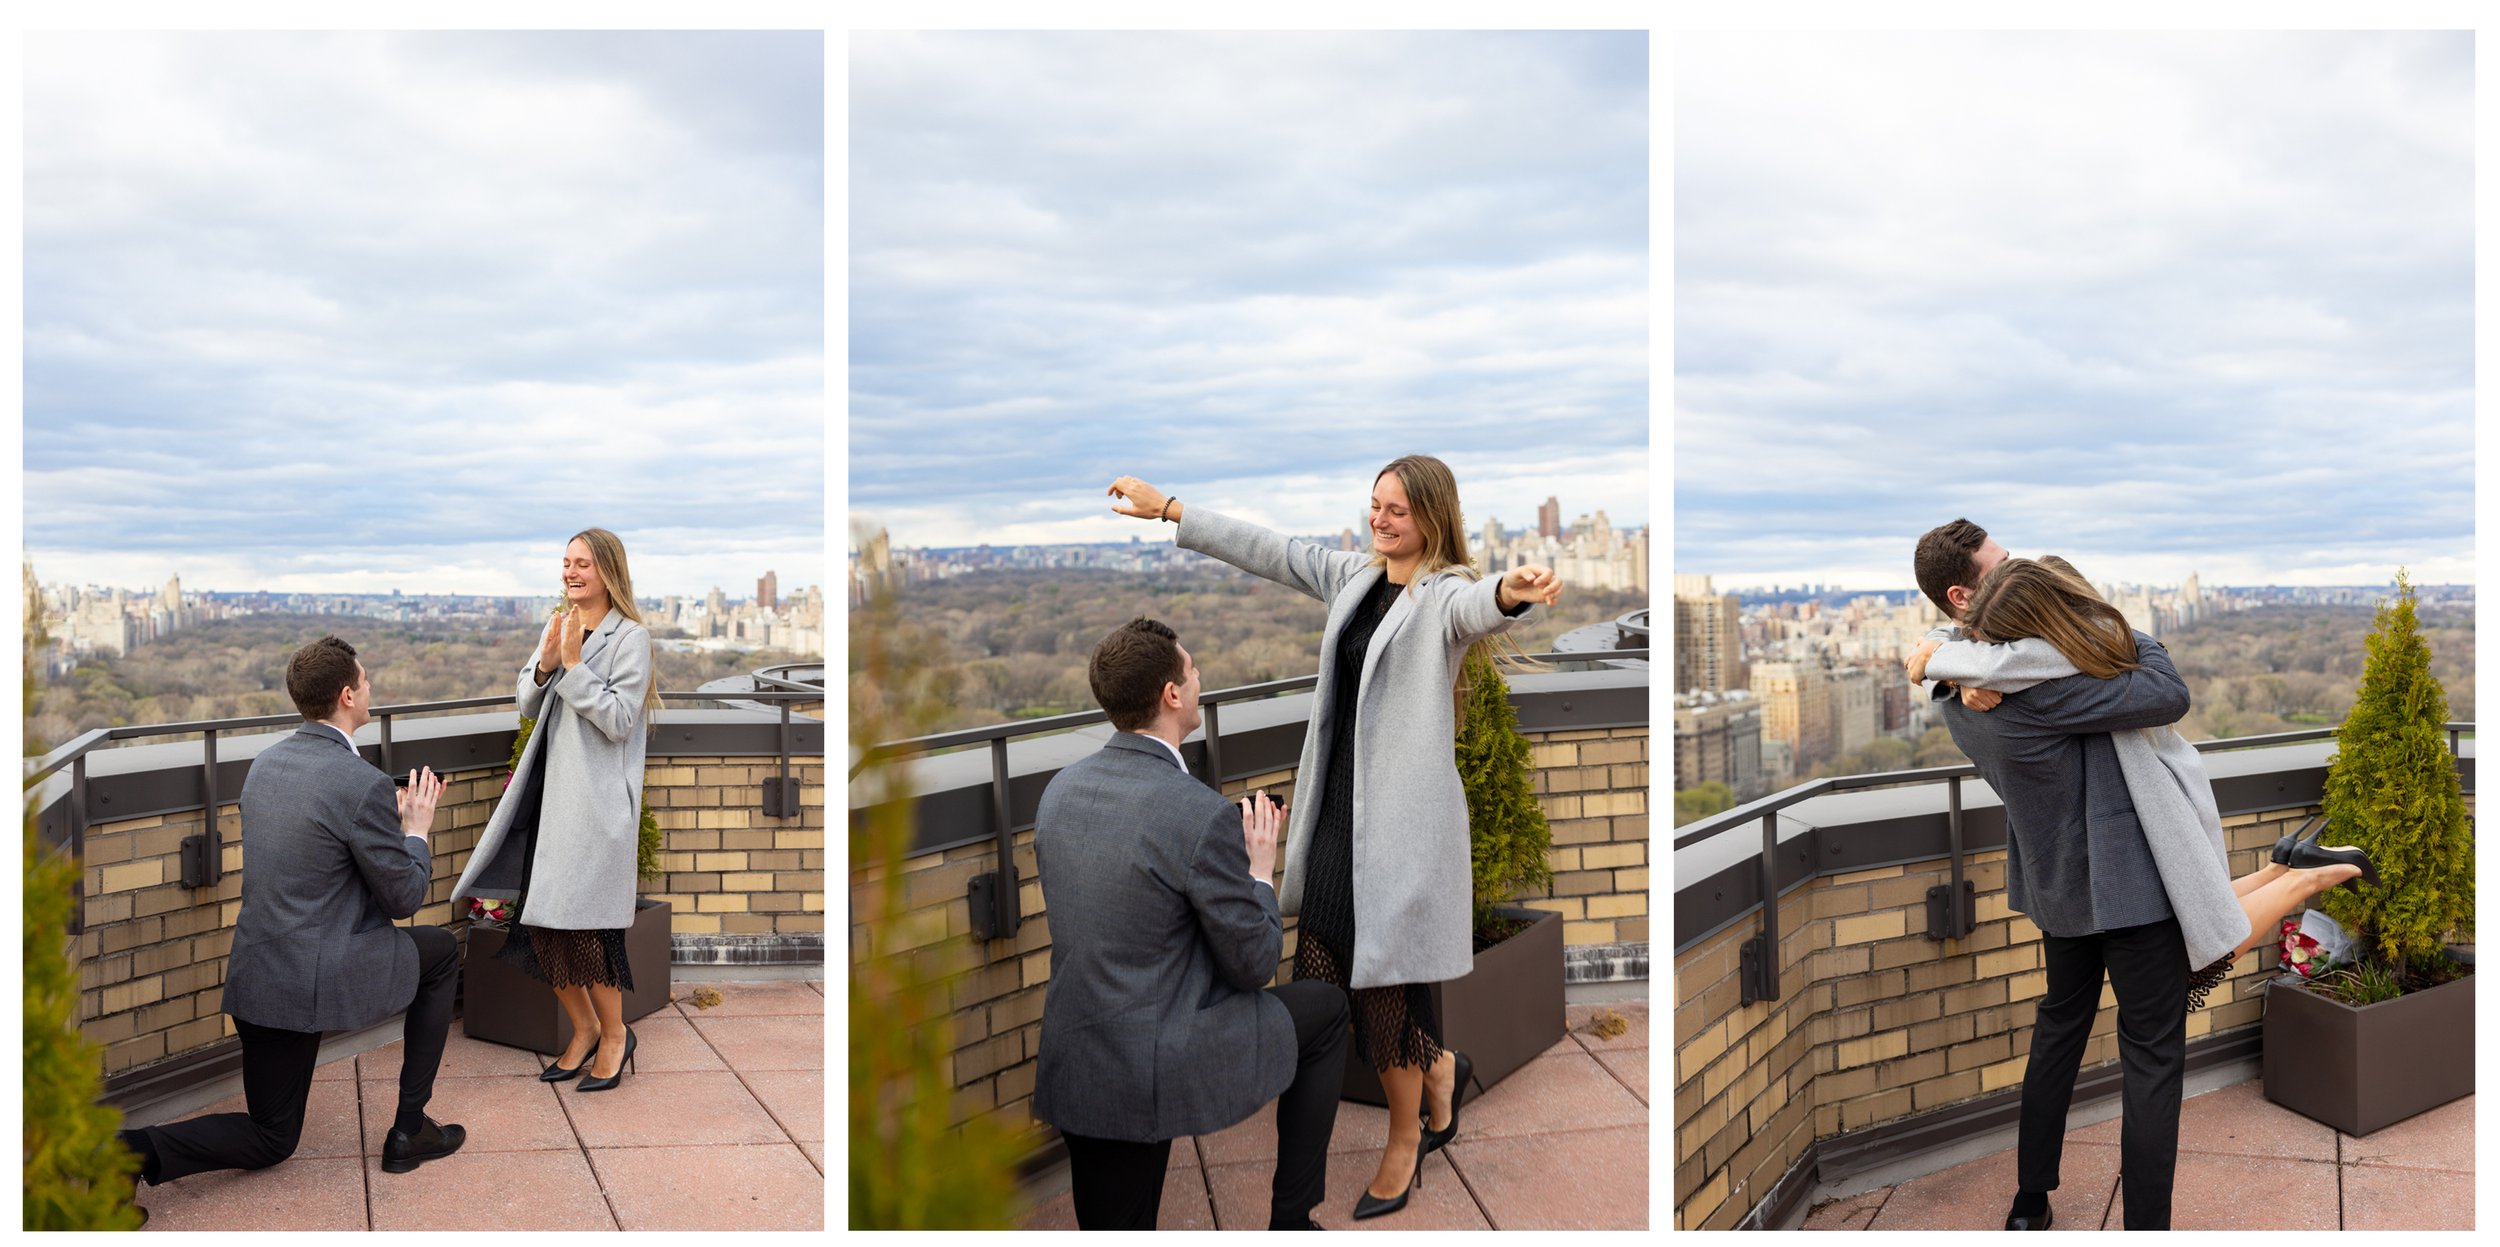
(1164, 929)
(330, 856)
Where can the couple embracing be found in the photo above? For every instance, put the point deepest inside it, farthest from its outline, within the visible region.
(1166, 921)
(2114, 848)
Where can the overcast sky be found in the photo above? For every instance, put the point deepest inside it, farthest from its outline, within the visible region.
(1249, 268)
(2157, 302)
(356, 312)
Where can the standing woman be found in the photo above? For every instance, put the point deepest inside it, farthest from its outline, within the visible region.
(1377, 867)
(563, 840)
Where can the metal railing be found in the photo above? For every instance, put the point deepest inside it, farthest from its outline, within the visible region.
(1949, 906)
(995, 912)
(203, 862)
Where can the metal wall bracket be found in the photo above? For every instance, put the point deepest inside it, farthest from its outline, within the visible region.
(1757, 973)
(1946, 921)
(198, 867)
(781, 797)
(996, 912)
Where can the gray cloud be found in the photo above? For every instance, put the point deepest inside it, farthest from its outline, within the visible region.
(423, 301)
(1250, 265)
(2159, 301)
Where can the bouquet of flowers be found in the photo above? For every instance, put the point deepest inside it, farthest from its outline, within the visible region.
(2301, 953)
(489, 911)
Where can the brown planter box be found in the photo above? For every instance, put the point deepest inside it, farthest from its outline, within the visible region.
(2361, 1069)
(502, 1005)
(1503, 1014)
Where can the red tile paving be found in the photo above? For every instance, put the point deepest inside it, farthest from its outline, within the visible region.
(1563, 1143)
(2245, 1163)
(720, 1127)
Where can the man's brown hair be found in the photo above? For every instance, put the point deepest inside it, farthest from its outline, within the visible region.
(1944, 560)
(317, 673)
(1131, 667)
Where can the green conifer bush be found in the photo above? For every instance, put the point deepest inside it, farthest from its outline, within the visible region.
(1509, 837)
(77, 1173)
(912, 1165)
(2392, 790)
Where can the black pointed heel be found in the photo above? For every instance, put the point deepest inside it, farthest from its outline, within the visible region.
(557, 1073)
(1435, 1140)
(2283, 848)
(1370, 1206)
(596, 1083)
(2310, 856)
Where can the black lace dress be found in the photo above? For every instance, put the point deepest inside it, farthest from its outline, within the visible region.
(556, 957)
(1395, 1025)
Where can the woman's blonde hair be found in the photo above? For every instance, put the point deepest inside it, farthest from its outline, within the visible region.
(607, 552)
(1432, 498)
(2049, 599)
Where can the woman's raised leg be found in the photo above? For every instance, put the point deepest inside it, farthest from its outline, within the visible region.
(2264, 875)
(2270, 903)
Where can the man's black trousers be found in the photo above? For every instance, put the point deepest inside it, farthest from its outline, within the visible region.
(278, 1074)
(1118, 1185)
(2148, 970)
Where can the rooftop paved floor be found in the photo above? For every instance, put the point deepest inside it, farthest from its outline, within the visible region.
(720, 1127)
(2245, 1163)
(1561, 1144)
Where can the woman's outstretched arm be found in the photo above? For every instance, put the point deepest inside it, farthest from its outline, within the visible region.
(1307, 566)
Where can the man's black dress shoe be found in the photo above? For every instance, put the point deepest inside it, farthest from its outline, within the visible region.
(402, 1151)
(2040, 1221)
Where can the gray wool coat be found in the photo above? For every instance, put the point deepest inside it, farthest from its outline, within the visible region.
(1413, 891)
(2174, 800)
(1153, 1023)
(325, 870)
(591, 739)
(2077, 858)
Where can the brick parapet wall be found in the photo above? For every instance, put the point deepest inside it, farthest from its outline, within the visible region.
(1876, 1023)
(153, 952)
(1592, 784)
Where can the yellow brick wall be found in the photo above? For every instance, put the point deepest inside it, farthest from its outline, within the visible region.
(1593, 786)
(1876, 1023)
(153, 953)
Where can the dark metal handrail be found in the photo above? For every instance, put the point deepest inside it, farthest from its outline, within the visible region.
(995, 912)
(203, 860)
(1949, 907)
(916, 745)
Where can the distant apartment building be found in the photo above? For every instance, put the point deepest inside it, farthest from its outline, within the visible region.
(1549, 519)
(768, 591)
(1718, 738)
(1709, 638)
(1857, 710)
(1796, 701)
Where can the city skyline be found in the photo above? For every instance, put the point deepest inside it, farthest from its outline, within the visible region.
(353, 310)
(1081, 255)
(2159, 302)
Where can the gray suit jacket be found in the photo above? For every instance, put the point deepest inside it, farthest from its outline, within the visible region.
(1153, 1024)
(591, 737)
(2077, 859)
(1413, 888)
(325, 870)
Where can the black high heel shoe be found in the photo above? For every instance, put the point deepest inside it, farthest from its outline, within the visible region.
(2283, 848)
(1370, 1205)
(595, 1082)
(1435, 1140)
(557, 1073)
(2307, 854)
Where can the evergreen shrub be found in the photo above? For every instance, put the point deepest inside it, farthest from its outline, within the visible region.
(77, 1173)
(2392, 790)
(1508, 835)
